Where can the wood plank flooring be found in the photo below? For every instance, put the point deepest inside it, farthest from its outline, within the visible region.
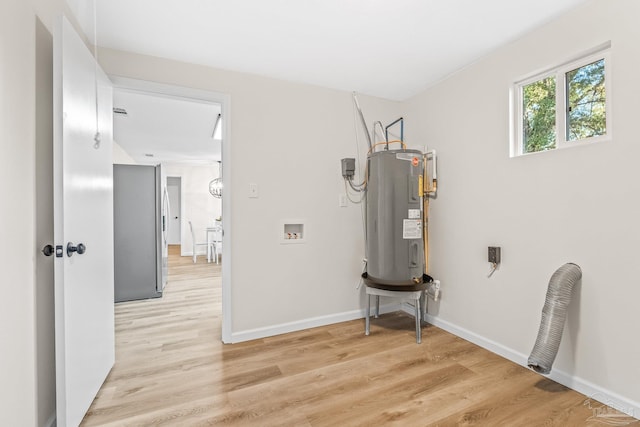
(172, 370)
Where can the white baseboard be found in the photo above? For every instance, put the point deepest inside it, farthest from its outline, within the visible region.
(300, 325)
(580, 385)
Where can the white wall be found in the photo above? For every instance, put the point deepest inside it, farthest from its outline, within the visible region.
(17, 110)
(121, 157)
(27, 386)
(575, 205)
(198, 205)
(288, 138)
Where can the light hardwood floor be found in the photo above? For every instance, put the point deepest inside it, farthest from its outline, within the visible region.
(172, 370)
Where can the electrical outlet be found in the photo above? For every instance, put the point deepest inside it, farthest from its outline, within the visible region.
(494, 254)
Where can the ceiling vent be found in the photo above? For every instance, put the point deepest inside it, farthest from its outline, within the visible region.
(120, 111)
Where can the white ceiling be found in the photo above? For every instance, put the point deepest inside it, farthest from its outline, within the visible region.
(169, 128)
(390, 49)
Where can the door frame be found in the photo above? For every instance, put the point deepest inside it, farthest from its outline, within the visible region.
(224, 100)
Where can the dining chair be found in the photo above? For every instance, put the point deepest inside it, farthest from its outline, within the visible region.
(217, 243)
(195, 243)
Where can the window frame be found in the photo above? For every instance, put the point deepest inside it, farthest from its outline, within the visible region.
(560, 73)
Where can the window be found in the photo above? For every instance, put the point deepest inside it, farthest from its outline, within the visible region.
(563, 107)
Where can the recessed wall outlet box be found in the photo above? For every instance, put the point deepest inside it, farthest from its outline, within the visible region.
(348, 168)
(293, 232)
(494, 254)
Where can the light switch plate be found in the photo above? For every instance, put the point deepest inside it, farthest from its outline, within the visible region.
(253, 191)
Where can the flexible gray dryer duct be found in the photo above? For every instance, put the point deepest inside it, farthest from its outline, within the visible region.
(554, 314)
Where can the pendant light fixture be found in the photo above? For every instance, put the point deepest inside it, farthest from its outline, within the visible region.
(215, 186)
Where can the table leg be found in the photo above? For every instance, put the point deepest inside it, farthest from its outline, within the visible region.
(366, 315)
(418, 329)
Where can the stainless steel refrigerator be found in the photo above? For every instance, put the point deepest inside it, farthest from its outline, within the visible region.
(141, 212)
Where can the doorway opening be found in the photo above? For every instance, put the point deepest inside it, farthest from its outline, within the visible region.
(185, 130)
(174, 191)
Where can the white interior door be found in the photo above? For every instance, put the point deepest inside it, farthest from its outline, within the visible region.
(173, 188)
(83, 213)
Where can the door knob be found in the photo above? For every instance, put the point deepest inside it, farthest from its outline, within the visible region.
(81, 248)
(176, 218)
(48, 250)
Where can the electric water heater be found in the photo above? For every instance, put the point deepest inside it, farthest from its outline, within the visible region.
(394, 219)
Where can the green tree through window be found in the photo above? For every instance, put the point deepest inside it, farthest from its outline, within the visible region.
(565, 106)
(586, 115)
(539, 115)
